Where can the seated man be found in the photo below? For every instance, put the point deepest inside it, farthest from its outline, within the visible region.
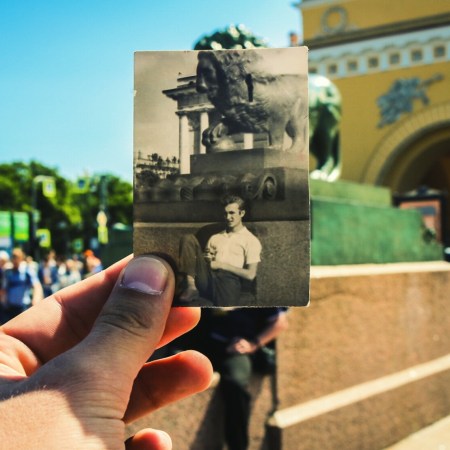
(230, 257)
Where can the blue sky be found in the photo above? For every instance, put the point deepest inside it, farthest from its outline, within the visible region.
(66, 70)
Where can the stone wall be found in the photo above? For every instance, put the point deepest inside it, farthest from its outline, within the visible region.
(366, 364)
(356, 224)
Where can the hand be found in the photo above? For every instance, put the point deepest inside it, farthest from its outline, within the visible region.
(215, 265)
(73, 368)
(242, 346)
(208, 256)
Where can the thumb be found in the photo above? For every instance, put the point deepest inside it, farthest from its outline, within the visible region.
(132, 320)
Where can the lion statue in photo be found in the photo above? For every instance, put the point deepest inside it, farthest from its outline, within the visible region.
(251, 99)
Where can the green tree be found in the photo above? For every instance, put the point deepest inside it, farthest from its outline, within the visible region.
(9, 193)
(120, 201)
(231, 37)
(68, 215)
(17, 183)
(110, 193)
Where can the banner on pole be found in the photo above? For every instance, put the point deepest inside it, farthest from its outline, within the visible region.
(21, 226)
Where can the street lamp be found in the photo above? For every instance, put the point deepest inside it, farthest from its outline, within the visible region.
(48, 190)
(98, 184)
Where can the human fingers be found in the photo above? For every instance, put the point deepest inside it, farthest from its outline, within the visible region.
(99, 372)
(63, 320)
(22, 352)
(132, 321)
(149, 439)
(181, 320)
(167, 380)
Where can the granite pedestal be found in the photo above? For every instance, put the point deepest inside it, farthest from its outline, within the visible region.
(275, 185)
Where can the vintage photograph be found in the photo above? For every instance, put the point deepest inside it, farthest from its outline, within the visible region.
(221, 173)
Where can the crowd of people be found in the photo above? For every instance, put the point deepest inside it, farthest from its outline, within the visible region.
(24, 282)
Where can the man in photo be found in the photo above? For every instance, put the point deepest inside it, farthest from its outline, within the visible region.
(230, 257)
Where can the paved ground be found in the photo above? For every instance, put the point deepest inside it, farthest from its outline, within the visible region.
(434, 437)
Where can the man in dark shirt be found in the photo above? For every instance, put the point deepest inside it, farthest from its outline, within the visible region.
(231, 338)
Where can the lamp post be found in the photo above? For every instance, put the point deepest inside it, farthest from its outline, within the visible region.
(98, 184)
(48, 190)
(102, 218)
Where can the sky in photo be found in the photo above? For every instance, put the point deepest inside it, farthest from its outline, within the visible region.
(66, 70)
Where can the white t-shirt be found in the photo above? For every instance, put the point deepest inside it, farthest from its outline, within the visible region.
(238, 248)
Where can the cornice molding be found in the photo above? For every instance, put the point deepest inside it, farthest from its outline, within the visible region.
(413, 49)
(355, 35)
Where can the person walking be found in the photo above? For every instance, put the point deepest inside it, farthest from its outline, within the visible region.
(22, 288)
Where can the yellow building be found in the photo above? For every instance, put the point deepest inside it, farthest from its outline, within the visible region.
(390, 60)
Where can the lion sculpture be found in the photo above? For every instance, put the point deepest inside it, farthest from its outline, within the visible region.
(252, 99)
(324, 122)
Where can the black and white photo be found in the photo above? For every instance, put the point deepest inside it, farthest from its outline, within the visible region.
(221, 173)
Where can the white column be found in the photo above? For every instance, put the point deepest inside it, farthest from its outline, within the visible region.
(248, 141)
(204, 124)
(184, 150)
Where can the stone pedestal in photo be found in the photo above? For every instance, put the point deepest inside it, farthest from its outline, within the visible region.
(276, 188)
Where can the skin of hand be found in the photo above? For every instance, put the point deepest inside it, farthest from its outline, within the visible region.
(73, 368)
(248, 273)
(242, 346)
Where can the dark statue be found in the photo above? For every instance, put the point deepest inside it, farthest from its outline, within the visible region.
(324, 122)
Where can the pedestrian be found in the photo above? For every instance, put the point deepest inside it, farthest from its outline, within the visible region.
(239, 343)
(71, 274)
(48, 276)
(92, 263)
(21, 286)
(4, 262)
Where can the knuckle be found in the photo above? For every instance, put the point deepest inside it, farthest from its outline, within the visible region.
(130, 320)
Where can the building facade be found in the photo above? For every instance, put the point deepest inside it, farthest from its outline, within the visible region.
(390, 61)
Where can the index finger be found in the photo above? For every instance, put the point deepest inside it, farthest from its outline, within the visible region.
(63, 320)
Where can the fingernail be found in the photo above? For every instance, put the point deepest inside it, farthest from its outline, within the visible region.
(145, 274)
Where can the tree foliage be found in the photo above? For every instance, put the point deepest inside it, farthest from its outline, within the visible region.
(69, 214)
(231, 37)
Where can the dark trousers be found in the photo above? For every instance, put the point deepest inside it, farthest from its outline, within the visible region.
(235, 372)
(221, 287)
(11, 311)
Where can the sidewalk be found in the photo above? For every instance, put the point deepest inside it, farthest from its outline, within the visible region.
(434, 437)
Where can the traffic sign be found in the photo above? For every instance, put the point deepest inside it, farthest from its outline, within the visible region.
(102, 218)
(5, 229)
(48, 187)
(21, 226)
(44, 237)
(77, 245)
(102, 232)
